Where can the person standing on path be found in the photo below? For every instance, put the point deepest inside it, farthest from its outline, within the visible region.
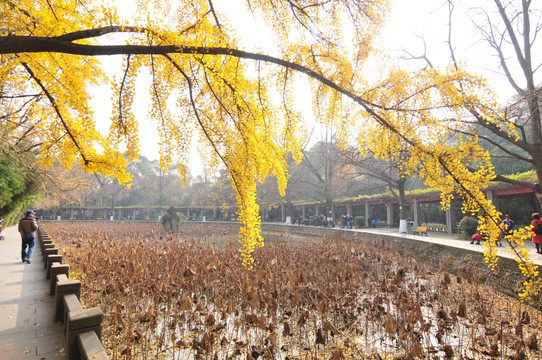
(537, 236)
(27, 226)
(508, 224)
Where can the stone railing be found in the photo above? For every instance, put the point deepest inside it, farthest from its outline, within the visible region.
(82, 327)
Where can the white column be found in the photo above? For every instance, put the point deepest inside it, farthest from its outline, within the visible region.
(389, 213)
(490, 196)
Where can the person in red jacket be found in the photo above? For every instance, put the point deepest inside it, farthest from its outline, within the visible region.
(537, 238)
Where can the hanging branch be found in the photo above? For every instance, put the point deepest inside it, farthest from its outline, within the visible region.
(58, 113)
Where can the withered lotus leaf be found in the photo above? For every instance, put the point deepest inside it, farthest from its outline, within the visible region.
(286, 331)
(462, 311)
(210, 320)
(337, 355)
(320, 338)
(207, 341)
(389, 324)
(328, 326)
(417, 350)
(272, 337)
(532, 342)
(525, 318)
(303, 318)
(186, 304)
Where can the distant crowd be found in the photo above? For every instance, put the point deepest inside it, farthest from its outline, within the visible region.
(507, 228)
(344, 222)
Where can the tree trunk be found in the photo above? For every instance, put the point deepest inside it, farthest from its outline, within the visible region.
(329, 209)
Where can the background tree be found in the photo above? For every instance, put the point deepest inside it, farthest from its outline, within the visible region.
(19, 186)
(509, 30)
(386, 173)
(212, 191)
(300, 188)
(66, 187)
(325, 177)
(157, 187)
(23, 178)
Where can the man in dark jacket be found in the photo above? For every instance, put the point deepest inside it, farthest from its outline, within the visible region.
(27, 226)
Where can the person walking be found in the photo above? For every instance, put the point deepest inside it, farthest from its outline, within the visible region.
(349, 221)
(27, 226)
(536, 229)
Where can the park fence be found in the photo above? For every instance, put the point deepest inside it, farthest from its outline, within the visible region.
(82, 327)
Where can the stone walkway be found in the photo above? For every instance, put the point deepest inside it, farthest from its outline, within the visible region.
(27, 326)
(454, 241)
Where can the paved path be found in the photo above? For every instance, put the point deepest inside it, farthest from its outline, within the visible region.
(454, 241)
(27, 326)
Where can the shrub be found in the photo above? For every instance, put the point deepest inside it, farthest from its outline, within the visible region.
(468, 226)
(359, 221)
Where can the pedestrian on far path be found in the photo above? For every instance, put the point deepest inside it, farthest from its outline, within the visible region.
(507, 227)
(27, 226)
(508, 224)
(537, 232)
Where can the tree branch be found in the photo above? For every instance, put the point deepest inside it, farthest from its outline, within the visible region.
(57, 110)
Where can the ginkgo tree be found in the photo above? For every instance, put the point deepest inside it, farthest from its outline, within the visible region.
(241, 101)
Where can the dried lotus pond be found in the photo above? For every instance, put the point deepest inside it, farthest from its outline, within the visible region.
(324, 299)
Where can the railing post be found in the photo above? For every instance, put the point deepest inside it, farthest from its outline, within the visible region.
(49, 250)
(79, 322)
(50, 260)
(91, 346)
(64, 287)
(57, 269)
